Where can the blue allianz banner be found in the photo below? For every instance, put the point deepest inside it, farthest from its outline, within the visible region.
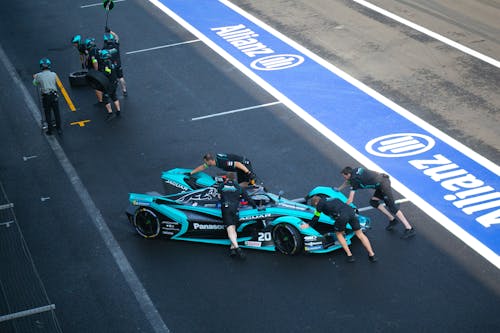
(448, 181)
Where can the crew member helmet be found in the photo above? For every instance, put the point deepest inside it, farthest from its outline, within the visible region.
(77, 39)
(90, 43)
(105, 54)
(108, 37)
(45, 63)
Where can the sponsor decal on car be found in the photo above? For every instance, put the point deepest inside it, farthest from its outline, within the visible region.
(141, 203)
(255, 217)
(312, 248)
(253, 243)
(198, 226)
(182, 187)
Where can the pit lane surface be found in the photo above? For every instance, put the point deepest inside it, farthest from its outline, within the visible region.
(429, 281)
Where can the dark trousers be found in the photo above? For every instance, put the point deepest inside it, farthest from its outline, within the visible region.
(51, 103)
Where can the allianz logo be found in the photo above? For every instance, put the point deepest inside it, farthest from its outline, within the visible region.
(246, 40)
(466, 192)
(400, 145)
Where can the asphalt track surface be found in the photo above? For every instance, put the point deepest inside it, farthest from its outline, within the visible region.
(433, 282)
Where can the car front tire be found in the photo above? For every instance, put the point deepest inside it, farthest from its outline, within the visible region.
(287, 239)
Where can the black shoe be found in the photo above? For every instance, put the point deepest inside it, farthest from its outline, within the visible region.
(372, 258)
(118, 113)
(232, 252)
(48, 133)
(109, 116)
(240, 253)
(350, 259)
(99, 103)
(391, 224)
(408, 233)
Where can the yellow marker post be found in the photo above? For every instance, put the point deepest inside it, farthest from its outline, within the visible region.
(65, 94)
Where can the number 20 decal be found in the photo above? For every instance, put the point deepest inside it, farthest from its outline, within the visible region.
(264, 236)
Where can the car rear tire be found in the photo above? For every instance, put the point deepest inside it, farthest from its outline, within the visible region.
(146, 223)
(78, 79)
(287, 239)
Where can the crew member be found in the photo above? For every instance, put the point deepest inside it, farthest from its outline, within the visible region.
(112, 41)
(342, 213)
(94, 62)
(47, 80)
(230, 195)
(360, 178)
(109, 69)
(229, 162)
(79, 44)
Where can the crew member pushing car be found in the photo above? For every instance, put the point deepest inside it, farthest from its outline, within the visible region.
(342, 214)
(229, 162)
(230, 195)
(360, 178)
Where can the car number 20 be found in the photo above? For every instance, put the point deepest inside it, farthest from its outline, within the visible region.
(264, 236)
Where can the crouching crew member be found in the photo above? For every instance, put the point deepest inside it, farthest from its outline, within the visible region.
(230, 195)
(342, 214)
(47, 80)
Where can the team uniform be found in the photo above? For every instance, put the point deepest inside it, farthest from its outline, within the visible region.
(367, 179)
(231, 194)
(226, 163)
(339, 211)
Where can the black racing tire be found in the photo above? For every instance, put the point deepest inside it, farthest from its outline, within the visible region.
(287, 239)
(97, 80)
(146, 223)
(78, 79)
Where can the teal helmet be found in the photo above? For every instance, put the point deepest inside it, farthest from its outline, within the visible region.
(77, 39)
(45, 63)
(108, 37)
(105, 54)
(90, 43)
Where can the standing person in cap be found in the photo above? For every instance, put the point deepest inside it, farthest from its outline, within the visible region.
(47, 81)
(360, 178)
(94, 62)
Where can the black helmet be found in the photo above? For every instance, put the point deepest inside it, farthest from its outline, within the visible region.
(45, 63)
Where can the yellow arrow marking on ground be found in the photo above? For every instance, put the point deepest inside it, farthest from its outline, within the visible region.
(81, 123)
(65, 94)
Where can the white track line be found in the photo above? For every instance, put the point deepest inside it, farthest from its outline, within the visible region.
(163, 46)
(430, 33)
(141, 295)
(234, 111)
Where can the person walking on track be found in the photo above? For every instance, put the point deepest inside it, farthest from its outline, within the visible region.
(47, 81)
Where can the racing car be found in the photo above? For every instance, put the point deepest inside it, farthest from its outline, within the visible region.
(193, 214)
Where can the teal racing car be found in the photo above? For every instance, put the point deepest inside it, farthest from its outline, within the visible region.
(191, 212)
